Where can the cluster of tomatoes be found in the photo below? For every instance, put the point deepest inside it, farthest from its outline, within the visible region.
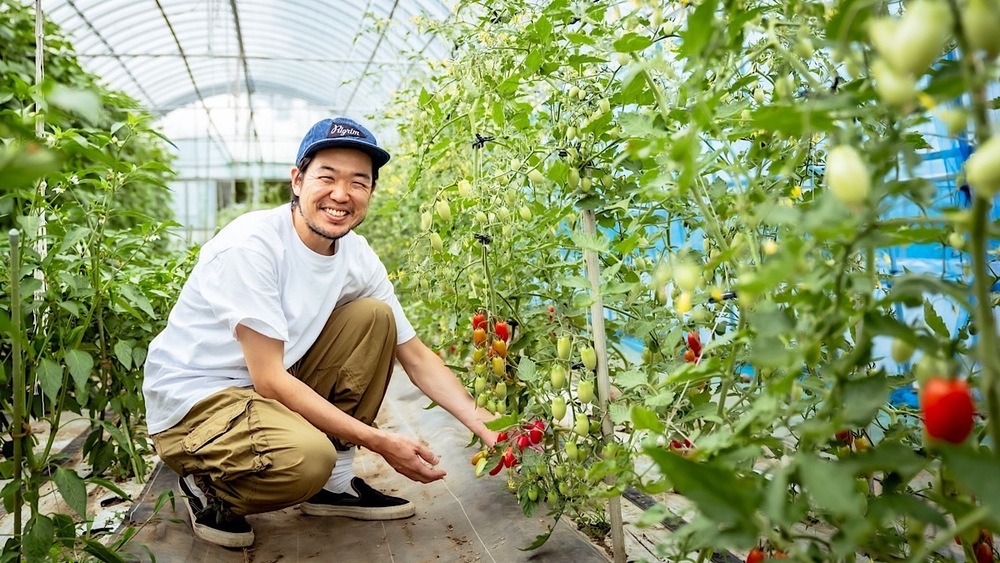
(758, 555)
(490, 355)
(512, 444)
(693, 352)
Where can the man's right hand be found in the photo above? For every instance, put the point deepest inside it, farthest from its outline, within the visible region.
(408, 457)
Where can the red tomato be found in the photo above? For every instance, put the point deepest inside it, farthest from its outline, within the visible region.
(523, 441)
(947, 408)
(479, 321)
(984, 553)
(690, 356)
(694, 342)
(508, 458)
(756, 555)
(502, 330)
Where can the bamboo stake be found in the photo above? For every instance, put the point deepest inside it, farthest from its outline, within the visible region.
(590, 258)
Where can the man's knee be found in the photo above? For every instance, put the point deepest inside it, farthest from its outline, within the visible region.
(374, 312)
(303, 467)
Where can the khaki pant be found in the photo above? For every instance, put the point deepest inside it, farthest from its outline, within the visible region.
(254, 453)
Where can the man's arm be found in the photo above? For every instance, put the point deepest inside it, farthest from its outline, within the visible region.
(270, 379)
(429, 373)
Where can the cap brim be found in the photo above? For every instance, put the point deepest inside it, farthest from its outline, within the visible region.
(379, 156)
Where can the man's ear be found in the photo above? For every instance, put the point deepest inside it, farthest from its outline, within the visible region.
(296, 180)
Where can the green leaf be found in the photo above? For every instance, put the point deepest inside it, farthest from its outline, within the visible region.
(123, 351)
(912, 287)
(971, 468)
(632, 42)
(863, 397)
(38, 537)
(50, 376)
(654, 515)
(135, 296)
(847, 23)
(630, 379)
(888, 456)
(595, 242)
(109, 485)
(645, 419)
(896, 504)
(699, 30)
(619, 413)
(830, 485)
(80, 365)
(934, 321)
(526, 370)
(73, 490)
(502, 423)
(729, 500)
(101, 552)
(776, 495)
(73, 236)
(542, 538)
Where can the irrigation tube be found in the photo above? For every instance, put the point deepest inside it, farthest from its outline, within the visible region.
(603, 381)
(17, 425)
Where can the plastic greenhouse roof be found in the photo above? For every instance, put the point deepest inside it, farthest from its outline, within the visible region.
(168, 53)
(339, 57)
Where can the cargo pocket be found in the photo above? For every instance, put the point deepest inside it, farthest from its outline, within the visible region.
(224, 445)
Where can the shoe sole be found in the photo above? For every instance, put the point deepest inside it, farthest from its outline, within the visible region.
(360, 512)
(211, 535)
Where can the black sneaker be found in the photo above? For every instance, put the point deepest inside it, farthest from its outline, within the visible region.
(369, 504)
(213, 523)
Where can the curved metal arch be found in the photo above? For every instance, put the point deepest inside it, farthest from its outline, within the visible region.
(128, 30)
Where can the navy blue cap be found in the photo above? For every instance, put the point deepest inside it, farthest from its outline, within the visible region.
(341, 132)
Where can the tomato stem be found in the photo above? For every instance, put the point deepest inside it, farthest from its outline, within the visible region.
(982, 312)
(966, 522)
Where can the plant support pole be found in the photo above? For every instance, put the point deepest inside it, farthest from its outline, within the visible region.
(17, 425)
(603, 380)
(41, 243)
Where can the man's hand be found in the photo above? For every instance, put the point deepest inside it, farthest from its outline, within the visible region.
(408, 457)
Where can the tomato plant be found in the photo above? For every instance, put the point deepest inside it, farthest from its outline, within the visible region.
(746, 170)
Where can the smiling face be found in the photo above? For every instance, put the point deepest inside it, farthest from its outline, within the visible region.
(333, 195)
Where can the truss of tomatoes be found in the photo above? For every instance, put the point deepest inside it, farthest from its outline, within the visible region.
(509, 447)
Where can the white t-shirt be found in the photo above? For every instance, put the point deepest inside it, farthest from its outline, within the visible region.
(256, 272)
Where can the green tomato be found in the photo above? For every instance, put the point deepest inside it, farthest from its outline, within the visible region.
(847, 175)
(480, 385)
(585, 391)
(436, 243)
(558, 408)
(983, 168)
(533, 493)
(589, 357)
(572, 453)
(557, 377)
(582, 426)
(536, 177)
(443, 210)
(902, 351)
(563, 347)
